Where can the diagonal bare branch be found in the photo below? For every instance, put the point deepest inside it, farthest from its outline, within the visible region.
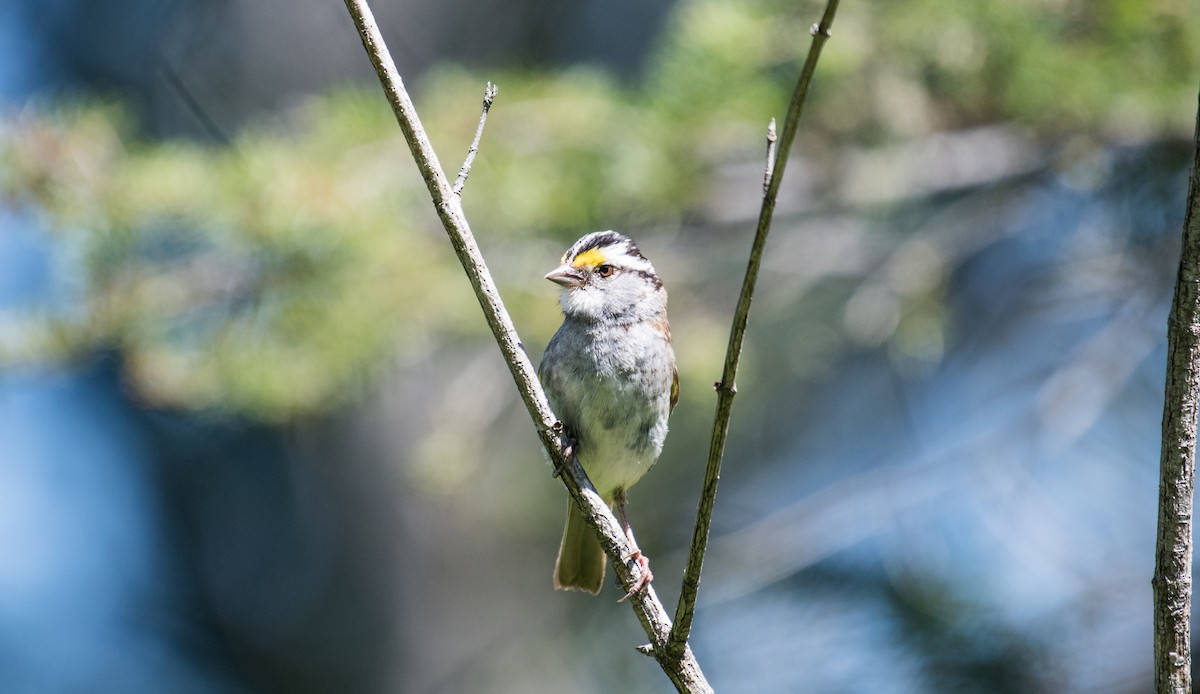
(679, 665)
(726, 387)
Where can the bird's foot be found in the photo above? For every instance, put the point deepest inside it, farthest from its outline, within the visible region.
(569, 445)
(645, 576)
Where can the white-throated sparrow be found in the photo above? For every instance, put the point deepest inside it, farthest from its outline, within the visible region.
(609, 373)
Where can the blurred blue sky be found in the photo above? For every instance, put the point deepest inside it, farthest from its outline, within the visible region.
(83, 558)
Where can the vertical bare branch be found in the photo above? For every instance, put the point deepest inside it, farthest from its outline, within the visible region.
(679, 665)
(1177, 473)
(726, 387)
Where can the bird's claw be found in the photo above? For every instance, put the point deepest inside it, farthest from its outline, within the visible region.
(569, 444)
(645, 576)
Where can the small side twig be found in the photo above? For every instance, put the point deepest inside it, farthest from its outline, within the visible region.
(489, 95)
(1177, 467)
(679, 665)
(726, 387)
(769, 171)
(192, 104)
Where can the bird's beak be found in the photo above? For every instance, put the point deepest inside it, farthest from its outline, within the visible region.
(566, 276)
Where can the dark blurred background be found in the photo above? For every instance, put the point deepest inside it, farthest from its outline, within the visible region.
(255, 436)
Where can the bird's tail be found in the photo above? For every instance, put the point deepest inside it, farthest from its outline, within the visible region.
(581, 561)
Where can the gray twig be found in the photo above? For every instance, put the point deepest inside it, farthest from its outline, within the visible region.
(680, 664)
(726, 387)
(489, 95)
(770, 168)
(1177, 473)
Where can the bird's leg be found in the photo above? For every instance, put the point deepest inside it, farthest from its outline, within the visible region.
(635, 554)
(569, 444)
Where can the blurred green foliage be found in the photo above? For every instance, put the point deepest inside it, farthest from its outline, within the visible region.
(273, 276)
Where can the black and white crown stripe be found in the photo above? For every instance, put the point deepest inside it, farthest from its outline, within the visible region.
(618, 250)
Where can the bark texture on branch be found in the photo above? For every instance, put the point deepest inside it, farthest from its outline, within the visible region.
(1177, 473)
(679, 665)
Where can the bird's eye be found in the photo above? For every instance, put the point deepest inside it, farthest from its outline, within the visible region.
(604, 270)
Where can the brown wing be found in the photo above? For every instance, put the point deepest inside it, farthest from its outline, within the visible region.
(674, 386)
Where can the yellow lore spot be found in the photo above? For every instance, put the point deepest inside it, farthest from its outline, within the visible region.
(589, 258)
